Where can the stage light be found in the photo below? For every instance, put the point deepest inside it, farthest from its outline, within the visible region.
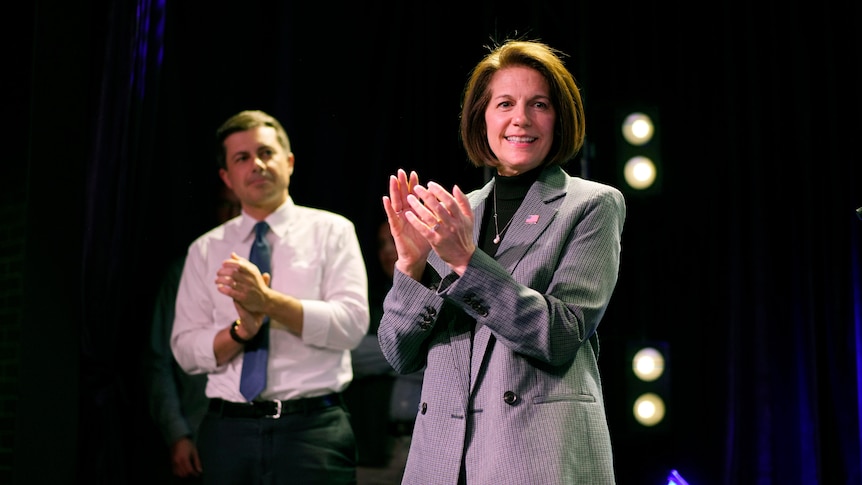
(649, 409)
(674, 478)
(648, 382)
(638, 151)
(648, 364)
(638, 129)
(639, 172)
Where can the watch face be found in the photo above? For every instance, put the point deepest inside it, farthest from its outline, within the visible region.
(236, 336)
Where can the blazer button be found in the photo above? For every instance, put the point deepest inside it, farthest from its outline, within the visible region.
(510, 397)
(424, 407)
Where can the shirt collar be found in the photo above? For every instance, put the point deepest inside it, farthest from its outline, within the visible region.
(278, 220)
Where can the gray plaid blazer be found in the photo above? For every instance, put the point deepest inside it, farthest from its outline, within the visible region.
(521, 401)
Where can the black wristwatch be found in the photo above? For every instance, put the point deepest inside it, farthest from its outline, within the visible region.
(236, 336)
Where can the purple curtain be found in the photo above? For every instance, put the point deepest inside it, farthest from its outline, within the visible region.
(120, 181)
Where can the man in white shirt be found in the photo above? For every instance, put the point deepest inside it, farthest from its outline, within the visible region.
(308, 311)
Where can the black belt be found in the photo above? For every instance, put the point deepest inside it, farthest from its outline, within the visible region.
(273, 409)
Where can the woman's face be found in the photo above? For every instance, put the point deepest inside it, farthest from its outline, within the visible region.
(520, 119)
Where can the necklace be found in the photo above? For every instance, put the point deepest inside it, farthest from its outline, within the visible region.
(499, 232)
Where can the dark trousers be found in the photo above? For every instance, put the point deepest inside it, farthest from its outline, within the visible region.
(307, 448)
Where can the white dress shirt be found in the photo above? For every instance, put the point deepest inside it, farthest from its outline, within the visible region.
(316, 258)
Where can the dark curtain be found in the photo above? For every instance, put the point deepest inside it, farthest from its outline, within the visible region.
(119, 230)
(747, 262)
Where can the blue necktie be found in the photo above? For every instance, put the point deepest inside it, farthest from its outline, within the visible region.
(253, 379)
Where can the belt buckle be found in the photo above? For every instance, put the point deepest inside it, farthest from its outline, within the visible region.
(277, 410)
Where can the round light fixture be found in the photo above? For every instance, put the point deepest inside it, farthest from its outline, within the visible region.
(639, 172)
(648, 364)
(649, 409)
(638, 129)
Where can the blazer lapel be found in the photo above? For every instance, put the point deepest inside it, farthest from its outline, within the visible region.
(530, 220)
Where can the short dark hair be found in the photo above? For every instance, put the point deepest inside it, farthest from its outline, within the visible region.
(565, 95)
(246, 120)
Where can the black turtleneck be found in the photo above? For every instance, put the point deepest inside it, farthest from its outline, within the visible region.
(510, 193)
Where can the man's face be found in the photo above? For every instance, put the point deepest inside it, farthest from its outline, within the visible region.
(258, 168)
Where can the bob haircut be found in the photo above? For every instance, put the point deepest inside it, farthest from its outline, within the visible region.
(565, 98)
(246, 120)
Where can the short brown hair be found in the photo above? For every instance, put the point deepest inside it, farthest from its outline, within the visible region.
(246, 120)
(565, 97)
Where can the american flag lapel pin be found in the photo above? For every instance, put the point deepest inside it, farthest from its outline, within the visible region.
(532, 219)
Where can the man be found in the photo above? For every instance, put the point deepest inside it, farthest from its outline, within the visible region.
(304, 311)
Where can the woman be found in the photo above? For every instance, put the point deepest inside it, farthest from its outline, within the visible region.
(498, 293)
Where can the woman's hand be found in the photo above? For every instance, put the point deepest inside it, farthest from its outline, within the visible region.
(411, 245)
(422, 219)
(446, 221)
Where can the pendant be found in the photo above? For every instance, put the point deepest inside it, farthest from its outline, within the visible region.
(497, 239)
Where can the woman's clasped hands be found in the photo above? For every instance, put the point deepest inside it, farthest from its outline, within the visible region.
(425, 218)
